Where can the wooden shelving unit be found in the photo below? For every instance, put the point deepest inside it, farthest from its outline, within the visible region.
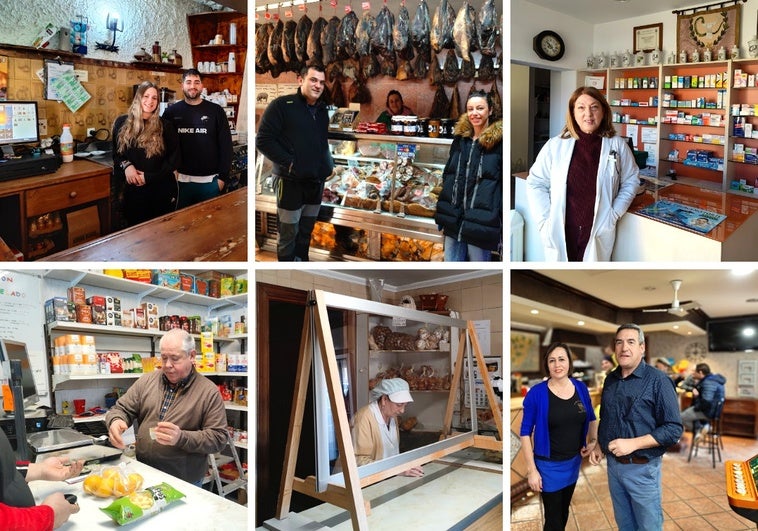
(203, 27)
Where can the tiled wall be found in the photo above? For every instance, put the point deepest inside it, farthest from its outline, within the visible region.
(110, 88)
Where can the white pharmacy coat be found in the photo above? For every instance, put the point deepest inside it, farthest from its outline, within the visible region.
(617, 181)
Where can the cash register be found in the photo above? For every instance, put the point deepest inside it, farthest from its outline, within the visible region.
(19, 127)
(741, 488)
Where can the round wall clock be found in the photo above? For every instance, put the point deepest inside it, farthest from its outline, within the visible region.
(549, 45)
(695, 352)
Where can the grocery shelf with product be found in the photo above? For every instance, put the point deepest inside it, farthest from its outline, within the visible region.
(100, 332)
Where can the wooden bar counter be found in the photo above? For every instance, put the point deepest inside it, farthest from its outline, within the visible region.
(214, 230)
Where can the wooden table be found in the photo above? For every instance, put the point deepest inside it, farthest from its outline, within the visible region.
(214, 230)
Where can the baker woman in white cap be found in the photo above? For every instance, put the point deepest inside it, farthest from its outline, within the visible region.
(376, 434)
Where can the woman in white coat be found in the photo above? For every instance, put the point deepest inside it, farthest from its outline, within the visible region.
(582, 182)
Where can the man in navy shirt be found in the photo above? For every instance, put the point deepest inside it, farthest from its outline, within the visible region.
(639, 419)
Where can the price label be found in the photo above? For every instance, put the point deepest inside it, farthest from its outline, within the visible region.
(288, 13)
(333, 3)
(267, 16)
(348, 9)
(398, 321)
(366, 6)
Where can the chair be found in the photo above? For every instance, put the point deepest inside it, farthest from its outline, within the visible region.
(709, 437)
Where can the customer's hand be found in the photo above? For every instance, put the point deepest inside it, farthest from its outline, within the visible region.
(54, 469)
(115, 430)
(61, 508)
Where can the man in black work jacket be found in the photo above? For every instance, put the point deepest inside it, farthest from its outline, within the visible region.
(293, 135)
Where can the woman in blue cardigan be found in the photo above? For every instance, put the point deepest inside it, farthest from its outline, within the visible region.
(558, 430)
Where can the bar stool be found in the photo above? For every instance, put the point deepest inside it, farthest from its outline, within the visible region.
(709, 437)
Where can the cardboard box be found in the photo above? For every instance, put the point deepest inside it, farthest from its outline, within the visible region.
(187, 282)
(96, 300)
(113, 317)
(138, 275)
(140, 320)
(83, 313)
(113, 303)
(127, 318)
(227, 286)
(98, 314)
(83, 225)
(201, 286)
(45, 36)
(59, 309)
(168, 279)
(77, 295)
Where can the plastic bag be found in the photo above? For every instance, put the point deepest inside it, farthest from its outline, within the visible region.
(142, 503)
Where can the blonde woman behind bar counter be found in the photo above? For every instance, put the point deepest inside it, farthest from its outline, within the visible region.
(145, 155)
(582, 182)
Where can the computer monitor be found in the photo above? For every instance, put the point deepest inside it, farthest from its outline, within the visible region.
(15, 350)
(18, 123)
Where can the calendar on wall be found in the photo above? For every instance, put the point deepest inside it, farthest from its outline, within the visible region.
(495, 374)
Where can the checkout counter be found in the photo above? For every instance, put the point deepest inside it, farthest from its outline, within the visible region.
(643, 239)
(199, 509)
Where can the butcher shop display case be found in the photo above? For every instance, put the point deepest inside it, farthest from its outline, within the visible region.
(378, 204)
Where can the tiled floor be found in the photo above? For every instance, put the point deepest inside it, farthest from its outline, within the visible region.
(694, 495)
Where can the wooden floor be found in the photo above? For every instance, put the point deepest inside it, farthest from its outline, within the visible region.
(693, 495)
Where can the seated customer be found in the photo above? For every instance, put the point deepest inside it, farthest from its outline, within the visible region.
(706, 396)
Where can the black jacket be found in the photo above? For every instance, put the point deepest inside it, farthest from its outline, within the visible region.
(161, 166)
(290, 135)
(470, 206)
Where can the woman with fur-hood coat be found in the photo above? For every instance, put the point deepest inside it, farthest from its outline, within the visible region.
(470, 206)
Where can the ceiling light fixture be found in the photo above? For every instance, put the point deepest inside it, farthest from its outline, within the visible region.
(676, 327)
(580, 323)
(534, 312)
(742, 271)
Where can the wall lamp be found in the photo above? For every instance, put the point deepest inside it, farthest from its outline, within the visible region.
(115, 24)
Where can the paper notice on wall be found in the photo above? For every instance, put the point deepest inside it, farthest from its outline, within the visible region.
(632, 131)
(483, 335)
(652, 154)
(21, 315)
(70, 91)
(649, 135)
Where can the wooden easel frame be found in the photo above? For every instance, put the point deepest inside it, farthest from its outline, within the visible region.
(316, 336)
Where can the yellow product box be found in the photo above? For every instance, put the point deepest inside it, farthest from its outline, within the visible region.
(240, 286)
(206, 342)
(227, 286)
(139, 275)
(114, 272)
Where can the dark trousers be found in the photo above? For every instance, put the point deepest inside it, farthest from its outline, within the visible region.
(193, 193)
(298, 204)
(556, 507)
(155, 198)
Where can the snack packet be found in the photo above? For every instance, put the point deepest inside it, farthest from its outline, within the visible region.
(142, 503)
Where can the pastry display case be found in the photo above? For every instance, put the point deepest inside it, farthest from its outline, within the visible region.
(378, 204)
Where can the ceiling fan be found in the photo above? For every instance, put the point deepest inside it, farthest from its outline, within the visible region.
(676, 307)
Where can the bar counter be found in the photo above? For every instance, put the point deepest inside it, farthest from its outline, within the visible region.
(640, 238)
(214, 230)
(199, 509)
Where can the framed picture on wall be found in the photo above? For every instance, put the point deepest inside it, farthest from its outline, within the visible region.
(710, 29)
(648, 38)
(525, 351)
